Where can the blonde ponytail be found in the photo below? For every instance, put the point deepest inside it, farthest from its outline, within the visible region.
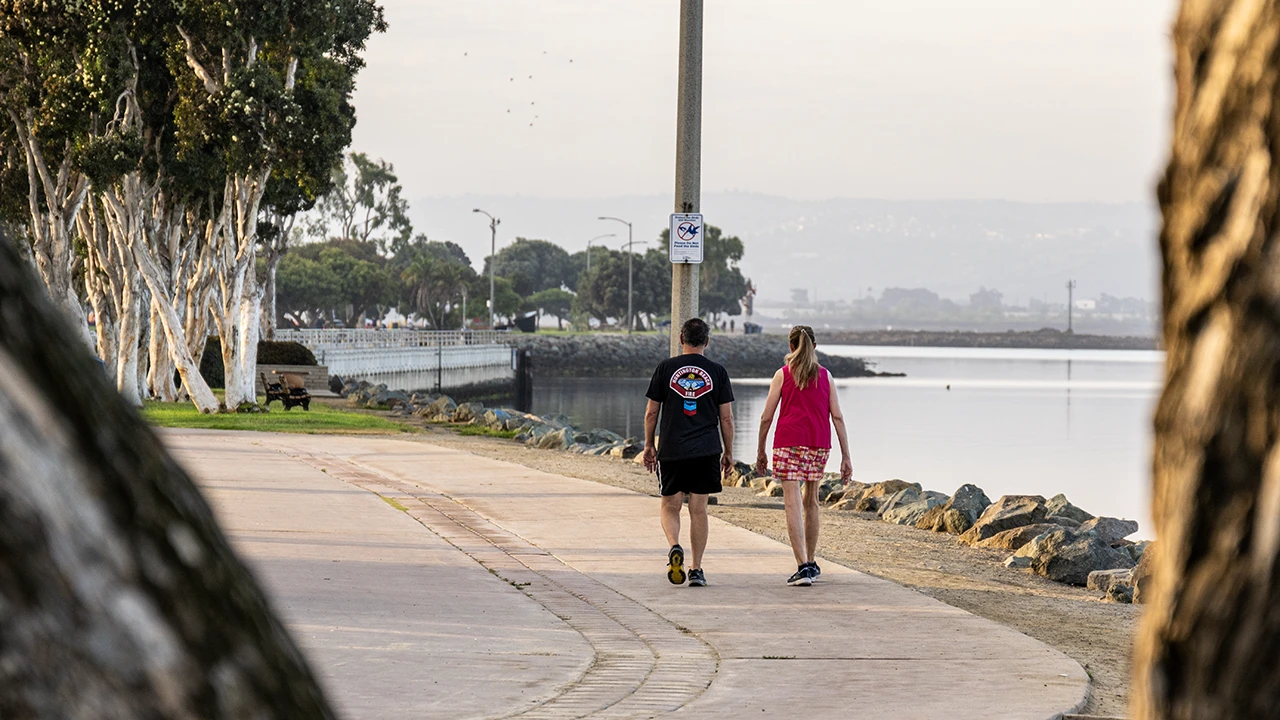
(803, 358)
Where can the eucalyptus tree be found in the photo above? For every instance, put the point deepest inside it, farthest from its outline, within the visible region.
(365, 203)
(247, 59)
(49, 102)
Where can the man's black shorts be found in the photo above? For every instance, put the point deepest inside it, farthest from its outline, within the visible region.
(700, 475)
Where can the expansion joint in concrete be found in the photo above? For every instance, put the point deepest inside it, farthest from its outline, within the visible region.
(644, 665)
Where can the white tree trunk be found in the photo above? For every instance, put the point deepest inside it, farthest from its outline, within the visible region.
(160, 372)
(188, 367)
(238, 312)
(250, 326)
(130, 331)
(54, 201)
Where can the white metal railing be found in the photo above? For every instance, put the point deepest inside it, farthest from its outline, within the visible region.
(394, 338)
(358, 362)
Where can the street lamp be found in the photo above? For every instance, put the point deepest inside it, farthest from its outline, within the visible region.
(631, 323)
(628, 245)
(493, 261)
(598, 237)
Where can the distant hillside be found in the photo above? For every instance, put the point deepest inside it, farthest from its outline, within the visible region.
(838, 248)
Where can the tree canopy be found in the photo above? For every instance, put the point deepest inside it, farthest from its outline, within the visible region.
(534, 265)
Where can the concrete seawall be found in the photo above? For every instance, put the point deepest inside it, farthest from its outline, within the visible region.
(610, 355)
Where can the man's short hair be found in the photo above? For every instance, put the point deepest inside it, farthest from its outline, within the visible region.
(695, 332)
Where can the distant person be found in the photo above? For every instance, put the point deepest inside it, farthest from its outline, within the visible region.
(693, 398)
(802, 443)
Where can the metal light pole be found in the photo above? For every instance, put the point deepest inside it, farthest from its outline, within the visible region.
(631, 323)
(1071, 288)
(630, 256)
(493, 262)
(684, 276)
(598, 237)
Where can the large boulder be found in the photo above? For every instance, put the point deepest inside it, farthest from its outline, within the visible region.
(534, 434)
(873, 497)
(1110, 530)
(468, 412)
(1059, 505)
(1007, 513)
(1064, 521)
(1068, 557)
(626, 449)
(911, 513)
(772, 488)
(740, 475)
(1137, 550)
(851, 489)
(906, 496)
(828, 485)
(496, 418)
(1017, 537)
(1103, 580)
(561, 439)
(440, 410)
(959, 513)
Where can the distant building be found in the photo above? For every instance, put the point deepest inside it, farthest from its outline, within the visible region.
(1086, 304)
(800, 296)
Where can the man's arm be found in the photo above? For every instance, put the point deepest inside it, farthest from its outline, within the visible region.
(650, 434)
(726, 435)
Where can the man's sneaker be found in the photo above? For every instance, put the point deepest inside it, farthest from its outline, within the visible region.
(675, 565)
(815, 572)
(697, 579)
(802, 576)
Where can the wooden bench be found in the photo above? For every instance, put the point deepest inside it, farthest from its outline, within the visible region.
(291, 391)
(316, 377)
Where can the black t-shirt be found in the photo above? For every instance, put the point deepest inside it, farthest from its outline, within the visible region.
(691, 389)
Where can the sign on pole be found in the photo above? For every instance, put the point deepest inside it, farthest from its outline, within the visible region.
(686, 238)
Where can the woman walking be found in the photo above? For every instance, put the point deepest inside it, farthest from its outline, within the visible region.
(802, 443)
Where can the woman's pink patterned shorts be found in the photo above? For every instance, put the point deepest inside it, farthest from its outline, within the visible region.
(800, 463)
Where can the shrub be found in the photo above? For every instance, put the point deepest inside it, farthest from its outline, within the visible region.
(270, 352)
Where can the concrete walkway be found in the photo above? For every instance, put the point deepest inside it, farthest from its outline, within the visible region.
(428, 582)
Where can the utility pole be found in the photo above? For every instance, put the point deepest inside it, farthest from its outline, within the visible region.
(684, 276)
(493, 262)
(1071, 286)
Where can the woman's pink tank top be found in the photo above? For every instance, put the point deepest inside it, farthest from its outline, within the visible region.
(805, 416)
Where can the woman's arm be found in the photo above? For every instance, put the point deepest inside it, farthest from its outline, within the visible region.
(837, 419)
(766, 421)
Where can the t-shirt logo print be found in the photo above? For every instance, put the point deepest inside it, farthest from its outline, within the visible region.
(691, 382)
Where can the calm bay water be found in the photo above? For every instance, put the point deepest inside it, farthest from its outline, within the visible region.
(1012, 422)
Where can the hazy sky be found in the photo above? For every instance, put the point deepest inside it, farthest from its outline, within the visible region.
(906, 99)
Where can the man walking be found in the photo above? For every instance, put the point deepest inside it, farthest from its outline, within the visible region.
(693, 398)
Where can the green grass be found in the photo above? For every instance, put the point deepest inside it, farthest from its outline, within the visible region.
(488, 432)
(320, 419)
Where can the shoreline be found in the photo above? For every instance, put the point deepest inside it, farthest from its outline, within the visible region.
(609, 355)
(1046, 339)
